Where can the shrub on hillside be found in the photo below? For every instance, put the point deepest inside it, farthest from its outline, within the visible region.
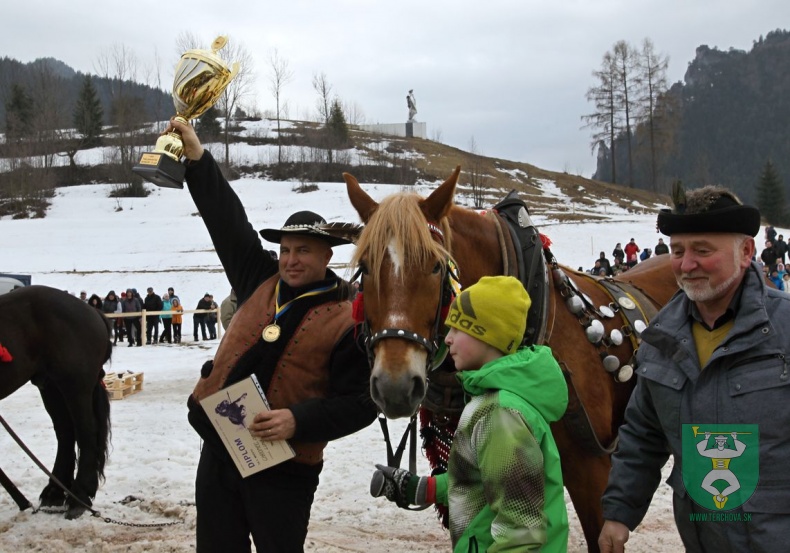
(129, 190)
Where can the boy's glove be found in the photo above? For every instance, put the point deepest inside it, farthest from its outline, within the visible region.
(402, 487)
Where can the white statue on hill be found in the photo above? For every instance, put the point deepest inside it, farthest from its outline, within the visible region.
(412, 103)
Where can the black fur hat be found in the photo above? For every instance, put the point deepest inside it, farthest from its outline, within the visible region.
(708, 209)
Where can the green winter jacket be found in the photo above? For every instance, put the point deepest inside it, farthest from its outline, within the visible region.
(503, 487)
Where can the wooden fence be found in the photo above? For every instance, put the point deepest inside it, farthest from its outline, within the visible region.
(143, 314)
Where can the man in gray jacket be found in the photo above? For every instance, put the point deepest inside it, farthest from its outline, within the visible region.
(712, 392)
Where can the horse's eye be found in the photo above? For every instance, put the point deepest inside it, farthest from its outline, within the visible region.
(438, 267)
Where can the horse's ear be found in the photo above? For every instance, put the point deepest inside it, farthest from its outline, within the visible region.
(362, 202)
(438, 204)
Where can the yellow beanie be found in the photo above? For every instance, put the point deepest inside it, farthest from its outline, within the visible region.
(494, 310)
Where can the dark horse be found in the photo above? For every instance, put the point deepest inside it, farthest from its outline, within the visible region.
(60, 344)
(591, 324)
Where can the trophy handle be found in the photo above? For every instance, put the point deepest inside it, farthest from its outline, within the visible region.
(233, 71)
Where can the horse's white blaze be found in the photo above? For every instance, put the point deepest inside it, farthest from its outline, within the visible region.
(394, 258)
(395, 319)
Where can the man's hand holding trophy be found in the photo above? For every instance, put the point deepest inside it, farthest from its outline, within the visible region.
(200, 78)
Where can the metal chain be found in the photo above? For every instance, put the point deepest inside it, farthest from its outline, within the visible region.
(142, 524)
(109, 520)
(52, 477)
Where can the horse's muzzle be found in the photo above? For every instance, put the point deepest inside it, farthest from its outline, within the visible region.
(397, 397)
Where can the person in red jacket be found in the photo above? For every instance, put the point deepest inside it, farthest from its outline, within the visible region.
(631, 251)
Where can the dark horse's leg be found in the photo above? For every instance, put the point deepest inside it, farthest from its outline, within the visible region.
(84, 422)
(66, 456)
(62, 351)
(91, 418)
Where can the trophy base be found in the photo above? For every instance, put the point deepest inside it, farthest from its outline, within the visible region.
(161, 169)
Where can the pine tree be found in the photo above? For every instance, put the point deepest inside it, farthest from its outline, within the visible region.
(770, 195)
(208, 127)
(88, 114)
(337, 127)
(18, 114)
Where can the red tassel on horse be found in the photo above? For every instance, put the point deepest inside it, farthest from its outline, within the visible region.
(5, 355)
(358, 308)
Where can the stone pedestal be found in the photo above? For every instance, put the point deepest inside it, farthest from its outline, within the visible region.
(414, 129)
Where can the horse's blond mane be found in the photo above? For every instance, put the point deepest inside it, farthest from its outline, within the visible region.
(399, 220)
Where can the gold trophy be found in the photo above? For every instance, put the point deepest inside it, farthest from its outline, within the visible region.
(201, 76)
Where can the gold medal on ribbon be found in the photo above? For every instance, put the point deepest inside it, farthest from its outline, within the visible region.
(271, 333)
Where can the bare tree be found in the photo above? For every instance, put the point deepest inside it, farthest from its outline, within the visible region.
(604, 120)
(653, 81)
(238, 89)
(477, 178)
(625, 62)
(354, 113)
(120, 66)
(49, 116)
(279, 77)
(325, 108)
(186, 40)
(156, 82)
(323, 88)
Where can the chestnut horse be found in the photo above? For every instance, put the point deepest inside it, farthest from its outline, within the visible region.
(60, 344)
(404, 254)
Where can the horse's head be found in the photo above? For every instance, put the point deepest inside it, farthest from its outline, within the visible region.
(403, 254)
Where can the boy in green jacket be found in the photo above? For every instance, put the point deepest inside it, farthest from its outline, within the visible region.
(503, 487)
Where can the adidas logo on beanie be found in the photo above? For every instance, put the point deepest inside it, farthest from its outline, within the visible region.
(493, 310)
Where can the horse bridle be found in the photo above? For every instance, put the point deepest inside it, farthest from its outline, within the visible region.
(431, 344)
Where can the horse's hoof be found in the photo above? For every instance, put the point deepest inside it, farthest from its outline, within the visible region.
(76, 508)
(75, 512)
(52, 496)
(52, 502)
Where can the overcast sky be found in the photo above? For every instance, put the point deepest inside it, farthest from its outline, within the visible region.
(510, 74)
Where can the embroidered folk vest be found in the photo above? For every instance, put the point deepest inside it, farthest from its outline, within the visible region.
(302, 371)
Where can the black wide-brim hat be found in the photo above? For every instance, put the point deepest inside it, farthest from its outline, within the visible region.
(307, 223)
(725, 215)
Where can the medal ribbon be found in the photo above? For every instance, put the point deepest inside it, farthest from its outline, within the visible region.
(280, 309)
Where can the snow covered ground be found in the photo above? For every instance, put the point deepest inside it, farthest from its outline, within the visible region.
(91, 242)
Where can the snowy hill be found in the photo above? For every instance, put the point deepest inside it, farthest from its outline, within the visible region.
(89, 241)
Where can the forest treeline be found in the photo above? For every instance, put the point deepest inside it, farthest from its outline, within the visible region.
(48, 111)
(726, 123)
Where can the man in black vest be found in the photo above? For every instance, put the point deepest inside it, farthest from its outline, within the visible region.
(274, 505)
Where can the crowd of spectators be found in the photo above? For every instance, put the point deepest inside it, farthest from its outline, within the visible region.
(772, 259)
(624, 258)
(128, 328)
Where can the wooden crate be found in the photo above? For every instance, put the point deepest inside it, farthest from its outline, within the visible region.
(121, 385)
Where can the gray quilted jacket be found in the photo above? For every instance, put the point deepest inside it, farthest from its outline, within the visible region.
(746, 381)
